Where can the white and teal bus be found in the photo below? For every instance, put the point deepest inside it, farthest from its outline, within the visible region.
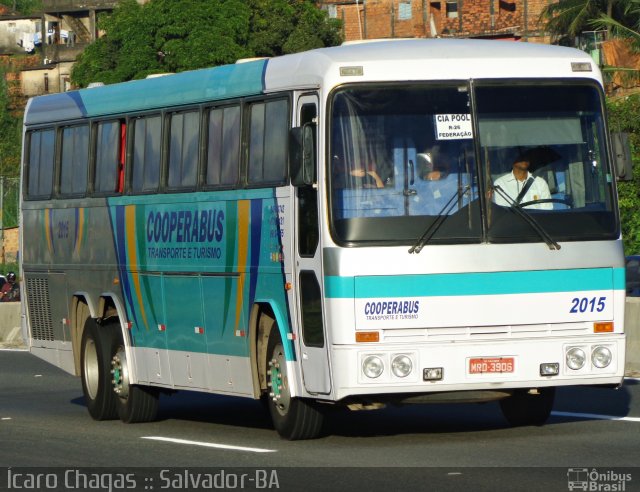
(329, 228)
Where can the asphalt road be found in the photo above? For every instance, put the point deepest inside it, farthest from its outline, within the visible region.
(44, 423)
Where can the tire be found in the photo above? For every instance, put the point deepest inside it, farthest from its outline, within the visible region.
(523, 408)
(95, 367)
(293, 418)
(134, 403)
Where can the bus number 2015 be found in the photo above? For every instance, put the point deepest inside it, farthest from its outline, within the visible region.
(587, 305)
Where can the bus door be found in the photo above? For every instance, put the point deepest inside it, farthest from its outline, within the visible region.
(307, 272)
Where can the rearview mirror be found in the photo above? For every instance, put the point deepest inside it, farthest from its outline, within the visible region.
(622, 156)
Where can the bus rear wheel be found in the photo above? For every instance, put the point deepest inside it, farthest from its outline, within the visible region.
(293, 418)
(524, 407)
(95, 354)
(134, 403)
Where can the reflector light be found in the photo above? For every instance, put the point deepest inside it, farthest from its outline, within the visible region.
(581, 67)
(432, 373)
(367, 336)
(351, 71)
(550, 369)
(605, 327)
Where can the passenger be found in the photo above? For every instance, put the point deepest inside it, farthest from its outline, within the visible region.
(366, 178)
(438, 185)
(522, 186)
(435, 164)
(10, 290)
(355, 176)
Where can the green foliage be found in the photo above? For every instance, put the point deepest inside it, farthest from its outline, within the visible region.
(25, 7)
(623, 117)
(164, 36)
(10, 133)
(279, 27)
(9, 267)
(626, 26)
(169, 36)
(10, 151)
(569, 18)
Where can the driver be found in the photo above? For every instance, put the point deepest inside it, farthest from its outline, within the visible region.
(522, 186)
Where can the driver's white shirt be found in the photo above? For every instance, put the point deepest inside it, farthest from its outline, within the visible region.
(539, 190)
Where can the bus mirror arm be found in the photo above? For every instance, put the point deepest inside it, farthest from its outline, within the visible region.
(302, 155)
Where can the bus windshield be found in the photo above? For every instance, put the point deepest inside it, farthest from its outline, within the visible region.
(403, 158)
(555, 133)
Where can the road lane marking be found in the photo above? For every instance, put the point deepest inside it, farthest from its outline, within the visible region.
(208, 444)
(595, 416)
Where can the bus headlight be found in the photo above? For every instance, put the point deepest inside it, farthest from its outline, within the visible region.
(575, 358)
(372, 366)
(601, 357)
(401, 366)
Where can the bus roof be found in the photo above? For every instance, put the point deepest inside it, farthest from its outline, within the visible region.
(224, 82)
(382, 60)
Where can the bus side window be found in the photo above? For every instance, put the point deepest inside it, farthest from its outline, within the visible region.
(74, 160)
(123, 154)
(110, 153)
(268, 142)
(223, 146)
(40, 163)
(184, 133)
(147, 136)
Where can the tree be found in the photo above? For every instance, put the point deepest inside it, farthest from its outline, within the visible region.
(10, 132)
(623, 116)
(627, 27)
(619, 18)
(170, 36)
(164, 36)
(25, 7)
(279, 27)
(572, 17)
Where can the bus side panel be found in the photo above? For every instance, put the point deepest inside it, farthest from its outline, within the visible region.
(64, 251)
(190, 271)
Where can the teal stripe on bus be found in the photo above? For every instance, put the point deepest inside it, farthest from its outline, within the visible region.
(475, 284)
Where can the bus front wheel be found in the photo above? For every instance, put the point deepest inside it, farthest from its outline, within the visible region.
(524, 407)
(293, 418)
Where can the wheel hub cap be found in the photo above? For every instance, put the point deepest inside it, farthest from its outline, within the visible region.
(120, 372)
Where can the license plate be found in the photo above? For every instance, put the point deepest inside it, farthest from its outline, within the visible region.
(489, 365)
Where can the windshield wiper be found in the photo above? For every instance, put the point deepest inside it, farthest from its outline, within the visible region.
(526, 216)
(440, 218)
